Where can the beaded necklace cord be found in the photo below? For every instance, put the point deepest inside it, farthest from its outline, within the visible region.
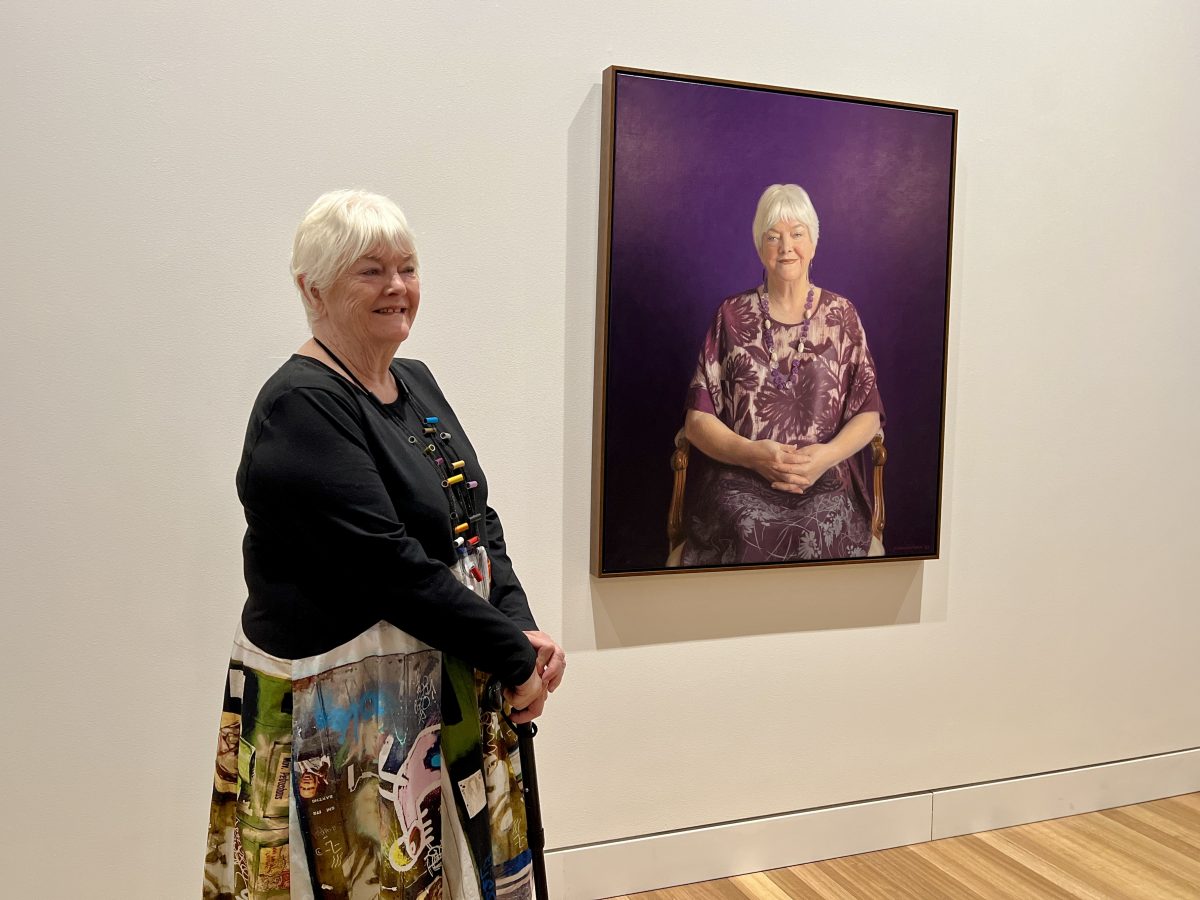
(793, 373)
(467, 524)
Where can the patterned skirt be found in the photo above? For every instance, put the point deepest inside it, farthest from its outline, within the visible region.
(734, 516)
(371, 771)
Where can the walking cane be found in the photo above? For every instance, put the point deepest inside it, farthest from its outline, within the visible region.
(533, 809)
(493, 699)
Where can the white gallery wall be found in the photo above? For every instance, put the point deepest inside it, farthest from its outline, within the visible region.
(156, 157)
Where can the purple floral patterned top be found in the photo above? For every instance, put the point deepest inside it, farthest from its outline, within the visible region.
(733, 515)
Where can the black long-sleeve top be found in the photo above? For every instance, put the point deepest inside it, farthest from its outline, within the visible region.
(348, 524)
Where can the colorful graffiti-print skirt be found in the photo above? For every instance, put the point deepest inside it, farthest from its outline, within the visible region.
(371, 771)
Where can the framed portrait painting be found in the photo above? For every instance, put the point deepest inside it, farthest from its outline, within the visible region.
(772, 323)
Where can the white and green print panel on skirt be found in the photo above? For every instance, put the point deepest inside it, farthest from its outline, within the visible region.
(330, 779)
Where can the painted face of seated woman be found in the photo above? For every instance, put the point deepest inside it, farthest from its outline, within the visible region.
(783, 399)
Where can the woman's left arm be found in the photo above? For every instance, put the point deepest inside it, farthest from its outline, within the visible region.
(507, 594)
(509, 597)
(820, 458)
(861, 394)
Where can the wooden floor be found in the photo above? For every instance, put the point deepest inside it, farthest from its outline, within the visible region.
(1142, 852)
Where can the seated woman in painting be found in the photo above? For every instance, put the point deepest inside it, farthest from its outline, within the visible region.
(783, 399)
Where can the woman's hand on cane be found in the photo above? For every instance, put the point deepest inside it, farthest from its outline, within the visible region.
(556, 664)
(529, 698)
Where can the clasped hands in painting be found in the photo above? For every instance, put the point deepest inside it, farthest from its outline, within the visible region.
(788, 467)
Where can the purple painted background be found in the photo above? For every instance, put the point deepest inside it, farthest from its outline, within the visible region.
(691, 162)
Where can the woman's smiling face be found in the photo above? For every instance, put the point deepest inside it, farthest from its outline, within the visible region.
(375, 301)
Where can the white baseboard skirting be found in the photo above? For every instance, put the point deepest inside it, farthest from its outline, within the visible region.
(612, 868)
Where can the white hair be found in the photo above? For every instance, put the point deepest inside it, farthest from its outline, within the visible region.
(785, 201)
(338, 229)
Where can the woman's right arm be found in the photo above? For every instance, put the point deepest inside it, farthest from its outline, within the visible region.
(312, 484)
(778, 463)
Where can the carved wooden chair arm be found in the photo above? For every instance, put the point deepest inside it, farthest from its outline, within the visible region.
(679, 463)
(879, 460)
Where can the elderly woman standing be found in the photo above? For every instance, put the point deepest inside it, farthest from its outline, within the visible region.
(359, 754)
(783, 399)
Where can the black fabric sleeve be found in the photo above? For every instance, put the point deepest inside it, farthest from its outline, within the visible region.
(507, 594)
(312, 477)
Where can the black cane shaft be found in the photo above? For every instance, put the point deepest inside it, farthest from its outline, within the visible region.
(533, 808)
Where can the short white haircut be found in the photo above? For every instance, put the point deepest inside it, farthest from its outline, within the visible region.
(338, 229)
(785, 201)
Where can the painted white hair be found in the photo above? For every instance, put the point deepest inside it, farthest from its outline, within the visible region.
(785, 201)
(338, 229)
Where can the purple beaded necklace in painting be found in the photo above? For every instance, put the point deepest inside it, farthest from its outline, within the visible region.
(777, 376)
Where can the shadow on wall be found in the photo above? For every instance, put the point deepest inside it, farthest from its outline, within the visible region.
(704, 606)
